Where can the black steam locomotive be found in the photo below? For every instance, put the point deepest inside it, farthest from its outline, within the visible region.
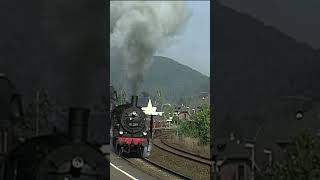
(129, 130)
(64, 156)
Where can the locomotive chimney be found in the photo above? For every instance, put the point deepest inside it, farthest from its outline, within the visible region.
(134, 101)
(78, 124)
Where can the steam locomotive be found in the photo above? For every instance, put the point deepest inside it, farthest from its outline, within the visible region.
(129, 130)
(64, 156)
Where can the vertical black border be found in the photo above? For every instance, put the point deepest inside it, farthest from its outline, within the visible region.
(213, 46)
(211, 87)
(107, 50)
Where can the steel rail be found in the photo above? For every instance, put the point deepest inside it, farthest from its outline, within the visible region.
(181, 153)
(148, 161)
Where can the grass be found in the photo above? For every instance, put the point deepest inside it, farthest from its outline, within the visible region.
(190, 144)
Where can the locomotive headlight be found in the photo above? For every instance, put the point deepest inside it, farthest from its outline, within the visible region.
(144, 133)
(121, 132)
(77, 162)
(134, 113)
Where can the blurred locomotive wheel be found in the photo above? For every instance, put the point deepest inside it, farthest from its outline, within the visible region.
(59, 164)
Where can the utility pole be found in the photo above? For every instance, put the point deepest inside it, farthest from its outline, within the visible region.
(37, 113)
(252, 147)
(215, 169)
(253, 162)
(151, 125)
(178, 126)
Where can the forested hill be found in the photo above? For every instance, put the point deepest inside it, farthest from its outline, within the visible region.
(176, 83)
(255, 67)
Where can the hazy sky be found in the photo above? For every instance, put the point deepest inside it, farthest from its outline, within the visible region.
(193, 47)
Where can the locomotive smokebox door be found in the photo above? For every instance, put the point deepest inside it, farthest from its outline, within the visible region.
(133, 120)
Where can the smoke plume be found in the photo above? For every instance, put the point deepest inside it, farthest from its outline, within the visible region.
(139, 29)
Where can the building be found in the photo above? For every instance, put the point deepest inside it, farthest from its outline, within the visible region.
(234, 160)
(183, 113)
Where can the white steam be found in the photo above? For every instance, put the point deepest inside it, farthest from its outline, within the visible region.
(139, 29)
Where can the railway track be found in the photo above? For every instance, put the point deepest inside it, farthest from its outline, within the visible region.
(161, 170)
(153, 168)
(159, 143)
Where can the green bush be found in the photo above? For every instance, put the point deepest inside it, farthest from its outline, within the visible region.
(301, 161)
(199, 126)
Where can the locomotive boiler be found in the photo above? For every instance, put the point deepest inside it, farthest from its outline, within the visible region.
(58, 156)
(129, 130)
(64, 156)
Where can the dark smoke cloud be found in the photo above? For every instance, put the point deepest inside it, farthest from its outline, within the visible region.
(76, 32)
(55, 45)
(138, 29)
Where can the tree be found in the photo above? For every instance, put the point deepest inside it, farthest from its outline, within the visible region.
(38, 113)
(201, 118)
(301, 160)
(158, 99)
(199, 126)
(175, 119)
(168, 110)
(121, 97)
(145, 94)
(182, 100)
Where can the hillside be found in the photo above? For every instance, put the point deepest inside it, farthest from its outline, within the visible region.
(174, 80)
(254, 67)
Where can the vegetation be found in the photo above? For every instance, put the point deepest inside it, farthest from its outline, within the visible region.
(168, 110)
(174, 81)
(302, 161)
(40, 110)
(157, 99)
(121, 97)
(199, 126)
(190, 144)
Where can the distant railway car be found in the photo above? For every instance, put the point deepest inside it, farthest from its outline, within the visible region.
(129, 129)
(157, 124)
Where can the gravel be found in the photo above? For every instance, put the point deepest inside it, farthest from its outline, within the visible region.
(181, 165)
